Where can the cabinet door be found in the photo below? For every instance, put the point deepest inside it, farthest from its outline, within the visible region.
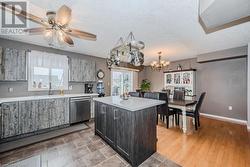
(110, 125)
(27, 116)
(10, 64)
(42, 119)
(21, 65)
(10, 119)
(88, 70)
(75, 70)
(59, 111)
(100, 118)
(123, 131)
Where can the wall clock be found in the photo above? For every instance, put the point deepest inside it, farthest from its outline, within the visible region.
(100, 74)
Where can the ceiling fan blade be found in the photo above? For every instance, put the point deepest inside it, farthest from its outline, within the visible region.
(81, 34)
(65, 38)
(24, 14)
(36, 31)
(63, 15)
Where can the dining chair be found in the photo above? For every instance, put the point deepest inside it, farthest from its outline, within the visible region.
(194, 113)
(162, 110)
(134, 94)
(167, 112)
(151, 95)
(179, 95)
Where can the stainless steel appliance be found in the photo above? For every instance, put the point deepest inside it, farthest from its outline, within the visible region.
(79, 109)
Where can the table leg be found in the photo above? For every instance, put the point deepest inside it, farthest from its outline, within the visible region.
(184, 120)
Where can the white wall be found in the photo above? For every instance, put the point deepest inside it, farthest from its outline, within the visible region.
(248, 86)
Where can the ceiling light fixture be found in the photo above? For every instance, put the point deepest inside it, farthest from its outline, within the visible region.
(158, 66)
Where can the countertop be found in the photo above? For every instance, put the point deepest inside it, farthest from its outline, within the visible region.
(132, 104)
(26, 98)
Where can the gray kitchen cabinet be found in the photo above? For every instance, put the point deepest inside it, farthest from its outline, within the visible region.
(59, 111)
(110, 125)
(10, 124)
(75, 73)
(100, 118)
(21, 65)
(27, 116)
(13, 65)
(82, 70)
(123, 131)
(131, 133)
(42, 116)
(10, 64)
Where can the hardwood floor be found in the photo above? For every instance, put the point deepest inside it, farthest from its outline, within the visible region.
(215, 144)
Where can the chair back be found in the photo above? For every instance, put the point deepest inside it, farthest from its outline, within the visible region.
(199, 103)
(134, 94)
(151, 95)
(179, 95)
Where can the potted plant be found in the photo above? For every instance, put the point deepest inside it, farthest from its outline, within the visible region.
(145, 86)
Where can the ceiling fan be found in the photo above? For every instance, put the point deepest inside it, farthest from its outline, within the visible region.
(55, 27)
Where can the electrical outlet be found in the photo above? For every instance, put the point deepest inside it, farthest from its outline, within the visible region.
(10, 90)
(230, 108)
(70, 87)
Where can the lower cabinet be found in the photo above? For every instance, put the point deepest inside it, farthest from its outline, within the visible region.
(131, 133)
(29, 116)
(10, 124)
(113, 125)
(59, 111)
(43, 115)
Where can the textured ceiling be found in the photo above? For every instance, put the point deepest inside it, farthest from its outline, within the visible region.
(169, 26)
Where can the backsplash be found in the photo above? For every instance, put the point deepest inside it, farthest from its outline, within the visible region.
(21, 89)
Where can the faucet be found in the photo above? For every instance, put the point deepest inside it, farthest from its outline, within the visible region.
(50, 89)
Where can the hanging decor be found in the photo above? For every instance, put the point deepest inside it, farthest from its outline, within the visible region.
(158, 66)
(129, 51)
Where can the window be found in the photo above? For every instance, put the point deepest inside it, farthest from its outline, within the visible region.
(45, 68)
(122, 81)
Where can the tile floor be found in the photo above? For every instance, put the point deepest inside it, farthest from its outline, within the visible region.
(77, 149)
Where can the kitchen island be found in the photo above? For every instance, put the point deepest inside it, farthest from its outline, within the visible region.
(128, 126)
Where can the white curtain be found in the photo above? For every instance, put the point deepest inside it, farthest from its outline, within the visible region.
(49, 61)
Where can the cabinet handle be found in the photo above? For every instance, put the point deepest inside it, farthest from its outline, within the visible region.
(115, 118)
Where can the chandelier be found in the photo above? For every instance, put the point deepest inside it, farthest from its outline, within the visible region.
(129, 51)
(158, 66)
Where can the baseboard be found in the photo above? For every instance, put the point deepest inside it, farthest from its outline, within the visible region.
(226, 119)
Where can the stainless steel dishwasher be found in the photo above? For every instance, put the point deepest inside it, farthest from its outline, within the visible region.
(79, 109)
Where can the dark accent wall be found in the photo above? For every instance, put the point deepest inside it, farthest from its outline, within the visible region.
(224, 81)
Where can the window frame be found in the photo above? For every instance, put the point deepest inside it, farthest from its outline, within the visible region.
(65, 85)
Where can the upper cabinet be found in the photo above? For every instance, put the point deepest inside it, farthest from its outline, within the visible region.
(82, 70)
(13, 65)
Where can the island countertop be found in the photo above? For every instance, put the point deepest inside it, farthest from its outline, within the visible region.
(132, 104)
(41, 97)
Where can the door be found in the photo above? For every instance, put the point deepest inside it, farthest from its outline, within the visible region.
(58, 109)
(42, 119)
(110, 125)
(27, 116)
(121, 81)
(10, 119)
(100, 118)
(123, 130)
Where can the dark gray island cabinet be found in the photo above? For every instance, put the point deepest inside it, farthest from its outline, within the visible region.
(128, 126)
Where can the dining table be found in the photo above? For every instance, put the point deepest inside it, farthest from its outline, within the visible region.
(183, 105)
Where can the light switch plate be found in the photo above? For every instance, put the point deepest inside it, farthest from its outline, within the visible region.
(230, 108)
